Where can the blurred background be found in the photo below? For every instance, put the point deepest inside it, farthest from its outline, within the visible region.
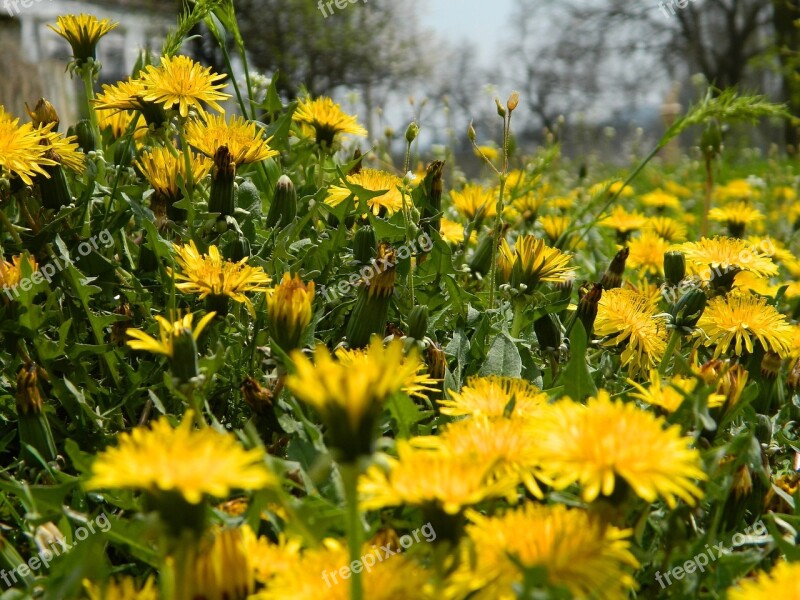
(600, 76)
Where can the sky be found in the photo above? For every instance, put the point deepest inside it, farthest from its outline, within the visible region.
(480, 21)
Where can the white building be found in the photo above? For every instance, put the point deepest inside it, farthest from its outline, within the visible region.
(33, 58)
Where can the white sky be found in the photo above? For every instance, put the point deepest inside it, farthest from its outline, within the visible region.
(481, 21)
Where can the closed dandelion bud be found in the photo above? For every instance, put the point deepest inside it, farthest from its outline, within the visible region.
(364, 244)
(565, 289)
(372, 306)
(722, 280)
(418, 322)
(239, 249)
(289, 311)
(471, 132)
(587, 308)
(501, 111)
(223, 567)
(687, 311)
(256, 396)
(221, 199)
(612, 278)
(436, 360)
(412, 132)
(43, 114)
(674, 267)
(742, 482)
(34, 428)
(434, 187)
(283, 209)
(359, 163)
(793, 379)
(54, 189)
(481, 259)
(548, 332)
(763, 430)
(183, 362)
(770, 364)
(248, 198)
(513, 101)
(83, 131)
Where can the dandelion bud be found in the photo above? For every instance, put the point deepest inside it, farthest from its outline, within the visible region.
(587, 307)
(436, 360)
(501, 112)
(412, 132)
(418, 322)
(471, 132)
(687, 311)
(43, 114)
(674, 267)
(83, 131)
(183, 362)
(283, 209)
(372, 306)
(289, 310)
(34, 428)
(770, 365)
(359, 163)
(221, 199)
(513, 101)
(612, 278)
(223, 568)
(364, 244)
(54, 189)
(548, 332)
(433, 185)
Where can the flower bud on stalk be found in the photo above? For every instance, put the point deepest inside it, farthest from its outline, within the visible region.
(372, 306)
(588, 306)
(54, 189)
(612, 278)
(418, 322)
(289, 308)
(223, 177)
(183, 362)
(283, 209)
(674, 267)
(433, 186)
(364, 244)
(687, 311)
(34, 428)
(43, 114)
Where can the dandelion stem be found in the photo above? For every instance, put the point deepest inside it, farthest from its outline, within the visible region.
(350, 474)
(674, 340)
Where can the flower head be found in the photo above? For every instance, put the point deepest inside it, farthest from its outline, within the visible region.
(782, 582)
(628, 318)
(475, 202)
(21, 151)
(624, 222)
(671, 393)
(244, 140)
(180, 83)
(604, 442)
(416, 384)
(389, 202)
(168, 331)
(289, 310)
(532, 262)
(11, 272)
(739, 318)
(577, 551)
(726, 254)
(452, 232)
(165, 172)
(194, 463)
(210, 275)
(82, 32)
(737, 215)
(327, 119)
(647, 253)
(661, 199)
(668, 228)
(124, 588)
(492, 397)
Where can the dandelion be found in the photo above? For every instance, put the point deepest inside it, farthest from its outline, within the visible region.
(387, 203)
(475, 202)
(495, 397)
(327, 119)
(782, 582)
(83, 32)
(180, 83)
(532, 262)
(244, 140)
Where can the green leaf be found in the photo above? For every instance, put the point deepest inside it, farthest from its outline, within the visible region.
(503, 358)
(578, 383)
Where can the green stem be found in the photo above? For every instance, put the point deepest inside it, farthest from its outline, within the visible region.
(88, 85)
(10, 228)
(519, 314)
(674, 340)
(355, 531)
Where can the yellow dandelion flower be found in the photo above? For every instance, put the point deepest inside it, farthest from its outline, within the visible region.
(191, 462)
(738, 189)
(118, 121)
(670, 395)
(725, 254)
(668, 228)
(82, 32)
(750, 282)
(289, 310)
(737, 215)
(451, 482)
(21, 153)
(625, 317)
(660, 199)
(168, 330)
(180, 83)
(327, 119)
(475, 202)
(596, 444)
(611, 187)
(211, 275)
(672, 187)
(245, 140)
(740, 318)
(350, 400)
(491, 397)
(529, 204)
(316, 573)
(65, 149)
(223, 565)
(647, 253)
(769, 246)
(165, 172)
(784, 194)
(554, 226)
(124, 588)
(503, 443)
(577, 551)
(532, 262)
(452, 232)
(372, 180)
(782, 582)
(491, 153)
(11, 272)
(624, 222)
(416, 384)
